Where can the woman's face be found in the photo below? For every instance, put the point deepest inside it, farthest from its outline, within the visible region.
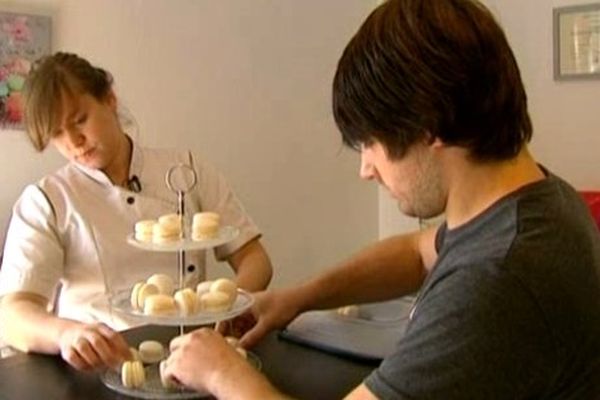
(88, 130)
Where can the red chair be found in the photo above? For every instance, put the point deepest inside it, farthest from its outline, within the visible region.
(592, 198)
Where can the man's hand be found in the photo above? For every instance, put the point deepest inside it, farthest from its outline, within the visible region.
(89, 347)
(204, 361)
(273, 309)
(198, 358)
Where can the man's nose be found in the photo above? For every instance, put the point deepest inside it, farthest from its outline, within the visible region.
(366, 168)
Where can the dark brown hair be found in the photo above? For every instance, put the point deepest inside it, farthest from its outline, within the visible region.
(50, 78)
(432, 67)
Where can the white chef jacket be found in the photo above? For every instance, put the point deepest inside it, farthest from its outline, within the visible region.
(71, 228)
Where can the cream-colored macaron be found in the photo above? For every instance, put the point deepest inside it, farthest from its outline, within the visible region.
(208, 229)
(151, 351)
(144, 230)
(200, 217)
(140, 292)
(226, 286)
(163, 282)
(171, 220)
(215, 302)
(351, 311)
(235, 343)
(165, 233)
(133, 374)
(241, 351)
(160, 304)
(167, 229)
(232, 341)
(205, 225)
(203, 287)
(167, 382)
(187, 301)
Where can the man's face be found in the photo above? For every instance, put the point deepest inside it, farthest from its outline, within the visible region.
(415, 180)
(88, 130)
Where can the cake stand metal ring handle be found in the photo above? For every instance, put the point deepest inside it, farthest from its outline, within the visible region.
(183, 168)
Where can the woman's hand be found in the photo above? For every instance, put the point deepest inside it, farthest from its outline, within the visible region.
(88, 347)
(237, 326)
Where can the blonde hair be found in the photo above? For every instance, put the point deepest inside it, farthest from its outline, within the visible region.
(50, 78)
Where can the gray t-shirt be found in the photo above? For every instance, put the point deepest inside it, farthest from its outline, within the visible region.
(511, 309)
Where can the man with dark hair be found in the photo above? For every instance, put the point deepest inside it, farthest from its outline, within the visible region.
(430, 94)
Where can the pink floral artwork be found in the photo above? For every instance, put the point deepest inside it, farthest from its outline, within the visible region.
(23, 39)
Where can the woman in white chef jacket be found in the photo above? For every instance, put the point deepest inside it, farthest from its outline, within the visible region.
(70, 227)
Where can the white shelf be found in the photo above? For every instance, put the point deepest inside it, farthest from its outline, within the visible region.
(153, 389)
(121, 303)
(226, 234)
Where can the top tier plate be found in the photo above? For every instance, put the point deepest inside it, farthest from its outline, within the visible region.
(226, 234)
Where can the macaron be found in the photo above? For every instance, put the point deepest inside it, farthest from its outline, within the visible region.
(215, 302)
(160, 304)
(167, 383)
(163, 282)
(151, 351)
(133, 374)
(187, 301)
(144, 230)
(226, 286)
(167, 229)
(205, 225)
(140, 292)
(203, 287)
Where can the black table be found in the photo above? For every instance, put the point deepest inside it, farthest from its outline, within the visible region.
(299, 371)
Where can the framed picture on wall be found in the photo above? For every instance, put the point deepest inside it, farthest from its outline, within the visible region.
(23, 39)
(577, 42)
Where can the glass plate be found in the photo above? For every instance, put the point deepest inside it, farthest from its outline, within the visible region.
(121, 303)
(153, 389)
(226, 234)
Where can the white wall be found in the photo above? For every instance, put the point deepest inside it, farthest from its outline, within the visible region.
(246, 83)
(565, 114)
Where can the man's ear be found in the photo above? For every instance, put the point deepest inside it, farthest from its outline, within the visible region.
(437, 143)
(433, 141)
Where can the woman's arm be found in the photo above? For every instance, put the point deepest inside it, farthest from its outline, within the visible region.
(252, 266)
(29, 327)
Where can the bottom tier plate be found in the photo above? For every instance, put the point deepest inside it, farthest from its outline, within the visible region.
(153, 389)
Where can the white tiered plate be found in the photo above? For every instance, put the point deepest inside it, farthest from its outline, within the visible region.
(226, 234)
(121, 303)
(153, 389)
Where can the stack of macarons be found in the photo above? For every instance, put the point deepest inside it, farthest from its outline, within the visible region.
(144, 230)
(205, 225)
(218, 295)
(133, 374)
(167, 229)
(154, 295)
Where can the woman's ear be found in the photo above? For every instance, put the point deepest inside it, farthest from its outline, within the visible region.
(111, 100)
